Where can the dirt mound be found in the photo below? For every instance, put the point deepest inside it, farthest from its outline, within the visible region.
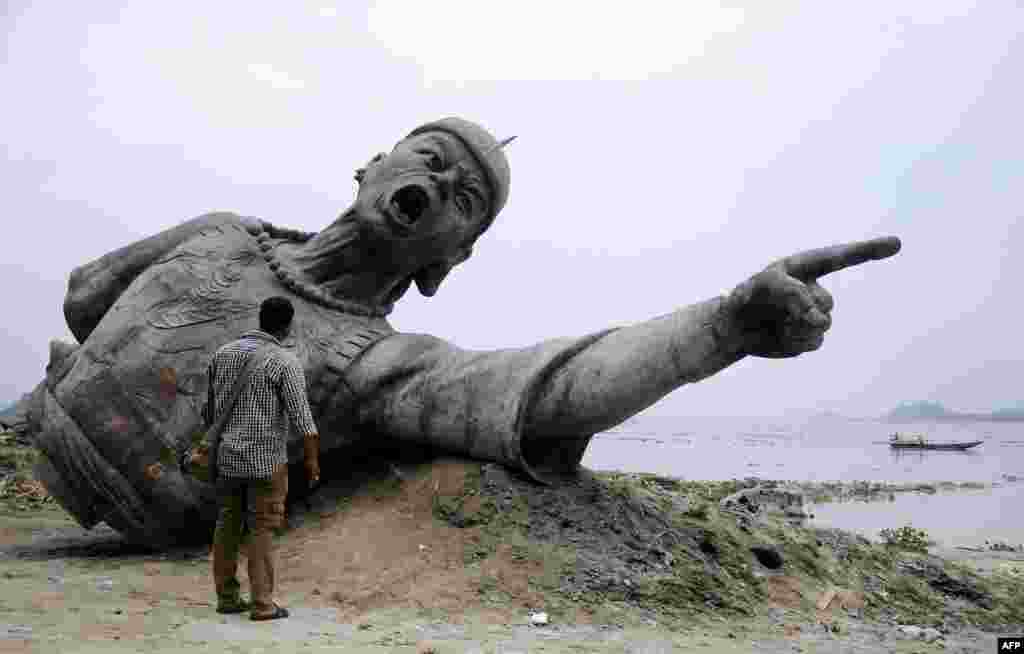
(381, 546)
(452, 534)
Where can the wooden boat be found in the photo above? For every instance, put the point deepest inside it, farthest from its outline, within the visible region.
(919, 443)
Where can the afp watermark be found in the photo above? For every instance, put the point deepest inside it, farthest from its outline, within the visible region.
(1010, 644)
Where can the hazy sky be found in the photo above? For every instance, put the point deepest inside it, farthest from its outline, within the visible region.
(666, 151)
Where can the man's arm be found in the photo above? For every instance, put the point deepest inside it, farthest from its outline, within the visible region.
(94, 287)
(296, 402)
(209, 409)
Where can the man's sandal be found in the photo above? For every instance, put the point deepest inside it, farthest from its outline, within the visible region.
(279, 612)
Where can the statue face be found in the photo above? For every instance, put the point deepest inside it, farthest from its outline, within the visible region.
(428, 196)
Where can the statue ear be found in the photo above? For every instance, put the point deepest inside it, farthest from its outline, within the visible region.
(429, 278)
(361, 172)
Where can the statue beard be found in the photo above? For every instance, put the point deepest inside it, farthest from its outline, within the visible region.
(347, 254)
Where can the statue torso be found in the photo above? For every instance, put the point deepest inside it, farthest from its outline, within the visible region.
(159, 336)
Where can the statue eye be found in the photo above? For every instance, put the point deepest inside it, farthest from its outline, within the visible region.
(463, 203)
(434, 161)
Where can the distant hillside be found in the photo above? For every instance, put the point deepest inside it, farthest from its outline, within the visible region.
(918, 411)
(933, 411)
(8, 410)
(1009, 414)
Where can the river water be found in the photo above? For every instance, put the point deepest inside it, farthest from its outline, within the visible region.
(837, 449)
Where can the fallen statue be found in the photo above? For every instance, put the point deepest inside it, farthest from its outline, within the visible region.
(117, 414)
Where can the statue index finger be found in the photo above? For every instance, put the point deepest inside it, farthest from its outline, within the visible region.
(812, 264)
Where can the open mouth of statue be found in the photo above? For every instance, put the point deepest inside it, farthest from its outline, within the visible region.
(408, 205)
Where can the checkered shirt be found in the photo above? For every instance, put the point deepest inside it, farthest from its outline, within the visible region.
(255, 437)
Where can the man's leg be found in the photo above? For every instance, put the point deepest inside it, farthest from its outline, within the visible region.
(226, 540)
(266, 515)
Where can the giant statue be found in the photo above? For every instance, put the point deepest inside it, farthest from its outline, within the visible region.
(117, 412)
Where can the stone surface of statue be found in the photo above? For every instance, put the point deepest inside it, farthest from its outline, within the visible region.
(118, 412)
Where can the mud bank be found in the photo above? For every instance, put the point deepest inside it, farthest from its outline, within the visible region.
(455, 556)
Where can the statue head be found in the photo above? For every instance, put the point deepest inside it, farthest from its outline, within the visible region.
(433, 195)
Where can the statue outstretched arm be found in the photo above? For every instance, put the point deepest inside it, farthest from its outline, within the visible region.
(780, 312)
(631, 368)
(533, 408)
(422, 389)
(94, 287)
(537, 407)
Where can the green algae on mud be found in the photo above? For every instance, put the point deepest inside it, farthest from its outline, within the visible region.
(835, 491)
(707, 567)
(19, 491)
(710, 569)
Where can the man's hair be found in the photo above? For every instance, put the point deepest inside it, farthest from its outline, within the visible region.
(276, 314)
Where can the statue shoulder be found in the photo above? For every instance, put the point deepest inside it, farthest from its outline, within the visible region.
(94, 287)
(393, 357)
(330, 352)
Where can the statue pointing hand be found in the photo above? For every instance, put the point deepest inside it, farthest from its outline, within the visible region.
(117, 412)
(783, 311)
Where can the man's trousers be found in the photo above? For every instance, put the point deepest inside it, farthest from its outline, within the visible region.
(265, 500)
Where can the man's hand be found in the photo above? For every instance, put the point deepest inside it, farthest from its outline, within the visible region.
(311, 449)
(783, 311)
(199, 456)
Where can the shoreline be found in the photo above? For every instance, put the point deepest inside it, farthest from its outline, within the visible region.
(471, 551)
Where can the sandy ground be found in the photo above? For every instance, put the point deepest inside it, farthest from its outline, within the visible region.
(350, 589)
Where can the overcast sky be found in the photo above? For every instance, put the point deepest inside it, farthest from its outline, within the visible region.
(666, 152)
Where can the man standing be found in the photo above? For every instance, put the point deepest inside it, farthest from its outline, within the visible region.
(252, 457)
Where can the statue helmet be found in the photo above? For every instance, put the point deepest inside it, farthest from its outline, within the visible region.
(486, 150)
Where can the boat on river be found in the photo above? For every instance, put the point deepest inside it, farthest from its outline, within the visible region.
(918, 442)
